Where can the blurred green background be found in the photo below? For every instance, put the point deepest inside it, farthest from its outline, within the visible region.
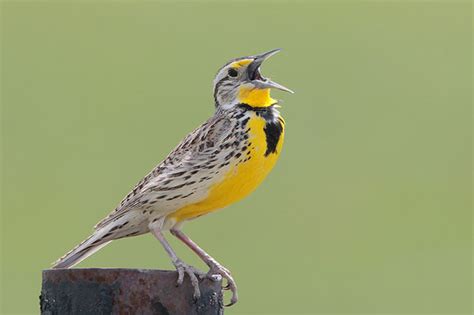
(367, 212)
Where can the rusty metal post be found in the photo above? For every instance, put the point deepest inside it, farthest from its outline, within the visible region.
(125, 291)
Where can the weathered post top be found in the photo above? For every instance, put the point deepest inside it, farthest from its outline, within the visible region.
(126, 291)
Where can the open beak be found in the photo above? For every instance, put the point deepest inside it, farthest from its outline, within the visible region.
(253, 72)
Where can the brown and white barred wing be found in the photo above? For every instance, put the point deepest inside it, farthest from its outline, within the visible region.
(189, 180)
(172, 179)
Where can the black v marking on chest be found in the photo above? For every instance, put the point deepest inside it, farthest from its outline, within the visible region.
(273, 127)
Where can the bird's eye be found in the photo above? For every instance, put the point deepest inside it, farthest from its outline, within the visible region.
(232, 72)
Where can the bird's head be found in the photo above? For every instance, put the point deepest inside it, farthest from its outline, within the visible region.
(240, 82)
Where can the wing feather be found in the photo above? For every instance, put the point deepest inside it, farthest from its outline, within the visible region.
(197, 147)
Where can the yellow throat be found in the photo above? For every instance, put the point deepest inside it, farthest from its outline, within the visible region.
(255, 97)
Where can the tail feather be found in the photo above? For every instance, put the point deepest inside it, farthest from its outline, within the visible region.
(78, 254)
(102, 236)
(87, 247)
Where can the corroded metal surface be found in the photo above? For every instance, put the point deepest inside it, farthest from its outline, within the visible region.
(125, 291)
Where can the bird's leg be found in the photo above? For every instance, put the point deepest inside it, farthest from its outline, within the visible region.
(215, 267)
(180, 265)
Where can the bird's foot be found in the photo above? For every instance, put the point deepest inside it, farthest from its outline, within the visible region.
(193, 274)
(216, 271)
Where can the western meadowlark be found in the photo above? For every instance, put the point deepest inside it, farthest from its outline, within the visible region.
(217, 164)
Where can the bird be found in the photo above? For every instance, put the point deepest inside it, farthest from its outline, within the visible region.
(219, 163)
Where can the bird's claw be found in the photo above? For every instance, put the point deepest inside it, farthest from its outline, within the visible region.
(219, 270)
(214, 277)
(184, 268)
(216, 273)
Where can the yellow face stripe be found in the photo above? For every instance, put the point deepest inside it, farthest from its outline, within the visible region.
(255, 97)
(240, 63)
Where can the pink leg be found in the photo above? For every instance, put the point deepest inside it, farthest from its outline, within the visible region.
(181, 266)
(215, 267)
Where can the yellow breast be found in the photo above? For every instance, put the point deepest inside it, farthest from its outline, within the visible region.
(242, 178)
